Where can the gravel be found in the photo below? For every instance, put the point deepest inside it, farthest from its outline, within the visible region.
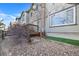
(38, 47)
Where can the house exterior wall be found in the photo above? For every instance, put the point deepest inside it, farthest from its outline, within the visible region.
(40, 16)
(23, 18)
(30, 17)
(36, 15)
(68, 31)
(27, 18)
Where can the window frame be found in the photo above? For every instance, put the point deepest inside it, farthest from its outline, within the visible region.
(74, 18)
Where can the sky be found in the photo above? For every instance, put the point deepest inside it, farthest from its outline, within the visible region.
(9, 11)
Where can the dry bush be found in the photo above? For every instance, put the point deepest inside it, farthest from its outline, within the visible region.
(21, 33)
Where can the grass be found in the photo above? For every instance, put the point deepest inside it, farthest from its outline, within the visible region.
(64, 40)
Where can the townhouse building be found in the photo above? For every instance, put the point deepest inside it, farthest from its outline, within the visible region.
(24, 17)
(53, 19)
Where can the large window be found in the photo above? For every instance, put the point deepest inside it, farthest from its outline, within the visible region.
(65, 17)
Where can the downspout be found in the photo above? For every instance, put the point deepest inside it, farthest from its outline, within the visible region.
(44, 18)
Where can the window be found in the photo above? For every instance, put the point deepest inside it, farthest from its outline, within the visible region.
(65, 17)
(37, 7)
(31, 14)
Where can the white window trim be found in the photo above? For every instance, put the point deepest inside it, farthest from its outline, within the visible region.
(74, 19)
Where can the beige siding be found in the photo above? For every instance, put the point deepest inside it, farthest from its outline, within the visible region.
(61, 31)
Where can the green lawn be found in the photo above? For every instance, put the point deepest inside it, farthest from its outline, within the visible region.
(64, 40)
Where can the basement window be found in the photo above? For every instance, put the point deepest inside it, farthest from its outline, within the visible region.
(65, 17)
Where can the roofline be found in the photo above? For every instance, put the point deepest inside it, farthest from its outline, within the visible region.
(25, 11)
(31, 8)
(22, 13)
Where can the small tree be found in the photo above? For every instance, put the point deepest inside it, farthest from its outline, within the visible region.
(2, 26)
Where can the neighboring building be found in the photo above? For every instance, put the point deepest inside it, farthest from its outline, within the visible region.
(23, 19)
(30, 15)
(18, 20)
(36, 16)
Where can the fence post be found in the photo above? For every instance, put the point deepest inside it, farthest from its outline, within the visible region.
(3, 35)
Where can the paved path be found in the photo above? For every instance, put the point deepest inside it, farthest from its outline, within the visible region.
(38, 47)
